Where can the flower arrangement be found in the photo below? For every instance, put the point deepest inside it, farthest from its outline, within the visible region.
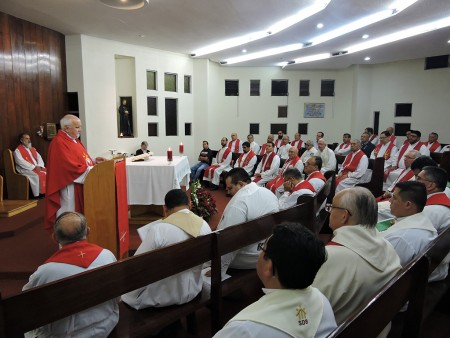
(203, 204)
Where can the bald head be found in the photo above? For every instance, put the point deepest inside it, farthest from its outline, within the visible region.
(70, 227)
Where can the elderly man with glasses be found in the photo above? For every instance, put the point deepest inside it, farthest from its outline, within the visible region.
(360, 262)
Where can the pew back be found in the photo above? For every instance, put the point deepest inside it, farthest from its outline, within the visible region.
(376, 182)
(17, 185)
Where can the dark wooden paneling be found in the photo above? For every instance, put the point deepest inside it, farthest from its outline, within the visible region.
(33, 82)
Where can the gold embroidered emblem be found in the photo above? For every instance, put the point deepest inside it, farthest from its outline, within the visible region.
(82, 254)
(301, 314)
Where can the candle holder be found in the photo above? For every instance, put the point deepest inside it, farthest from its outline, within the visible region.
(181, 148)
(169, 155)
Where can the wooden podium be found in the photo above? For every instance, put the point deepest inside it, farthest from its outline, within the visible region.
(105, 202)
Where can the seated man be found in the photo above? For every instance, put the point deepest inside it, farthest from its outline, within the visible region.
(235, 144)
(433, 145)
(412, 230)
(327, 155)
(71, 230)
(373, 138)
(262, 150)
(249, 202)
(279, 140)
(268, 167)
(287, 265)
(253, 145)
(247, 159)
(283, 149)
(385, 149)
(360, 262)
(276, 184)
(180, 224)
(319, 135)
(366, 146)
(344, 148)
(310, 151)
(223, 160)
(205, 159)
(353, 168)
(29, 163)
(314, 174)
(392, 137)
(143, 149)
(298, 142)
(294, 187)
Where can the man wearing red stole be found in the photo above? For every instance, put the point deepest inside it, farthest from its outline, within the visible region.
(279, 140)
(276, 185)
(262, 151)
(29, 163)
(75, 256)
(385, 149)
(373, 138)
(344, 148)
(392, 138)
(294, 187)
(298, 142)
(314, 174)
(235, 144)
(353, 168)
(433, 145)
(223, 160)
(247, 159)
(68, 165)
(268, 167)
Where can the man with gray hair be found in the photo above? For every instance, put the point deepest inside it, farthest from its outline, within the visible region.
(310, 151)
(327, 155)
(75, 256)
(354, 167)
(360, 262)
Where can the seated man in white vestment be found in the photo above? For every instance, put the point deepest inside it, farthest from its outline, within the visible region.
(294, 187)
(291, 307)
(180, 224)
(310, 151)
(75, 256)
(247, 159)
(249, 202)
(222, 162)
(283, 149)
(29, 163)
(327, 155)
(253, 145)
(344, 148)
(360, 262)
(268, 167)
(385, 148)
(353, 169)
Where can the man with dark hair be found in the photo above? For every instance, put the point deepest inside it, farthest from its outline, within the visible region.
(412, 230)
(422, 162)
(433, 145)
(319, 135)
(291, 307)
(294, 187)
(75, 256)
(249, 202)
(247, 159)
(205, 159)
(270, 139)
(253, 145)
(344, 148)
(268, 167)
(223, 160)
(372, 136)
(385, 148)
(360, 262)
(366, 146)
(143, 149)
(29, 163)
(179, 225)
(279, 140)
(313, 171)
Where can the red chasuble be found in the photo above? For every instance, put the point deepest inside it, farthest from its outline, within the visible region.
(236, 146)
(250, 155)
(434, 146)
(279, 180)
(387, 153)
(80, 253)
(42, 173)
(209, 172)
(439, 199)
(67, 160)
(299, 144)
(266, 164)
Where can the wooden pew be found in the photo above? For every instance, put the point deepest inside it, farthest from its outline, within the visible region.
(39, 306)
(17, 185)
(376, 182)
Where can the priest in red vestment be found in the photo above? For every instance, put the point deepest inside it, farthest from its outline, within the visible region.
(353, 168)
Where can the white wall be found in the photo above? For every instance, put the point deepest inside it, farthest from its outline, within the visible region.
(360, 90)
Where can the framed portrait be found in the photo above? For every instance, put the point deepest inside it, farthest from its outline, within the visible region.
(314, 110)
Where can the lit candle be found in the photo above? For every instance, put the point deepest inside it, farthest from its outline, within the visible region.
(181, 148)
(169, 154)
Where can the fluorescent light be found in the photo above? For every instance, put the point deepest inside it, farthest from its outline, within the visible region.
(400, 35)
(311, 58)
(126, 5)
(264, 53)
(277, 27)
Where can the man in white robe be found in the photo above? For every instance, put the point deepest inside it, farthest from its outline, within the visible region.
(310, 151)
(385, 149)
(253, 145)
(344, 148)
(283, 149)
(180, 225)
(319, 135)
(235, 144)
(433, 145)
(268, 166)
(353, 168)
(294, 187)
(298, 142)
(247, 159)
(360, 262)
(327, 155)
(75, 256)
(287, 264)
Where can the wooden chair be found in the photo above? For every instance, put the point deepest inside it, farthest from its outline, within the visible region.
(376, 182)
(17, 185)
(445, 163)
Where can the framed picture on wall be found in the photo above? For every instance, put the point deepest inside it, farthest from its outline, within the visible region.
(314, 110)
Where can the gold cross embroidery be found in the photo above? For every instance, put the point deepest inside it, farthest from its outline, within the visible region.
(122, 239)
(82, 254)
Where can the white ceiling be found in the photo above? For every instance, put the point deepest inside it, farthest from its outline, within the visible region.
(183, 26)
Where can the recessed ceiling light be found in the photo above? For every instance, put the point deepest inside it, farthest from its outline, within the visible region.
(365, 36)
(319, 25)
(244, 51)
(367, 58)
(125, 4)
(141, 35)
(448, 41)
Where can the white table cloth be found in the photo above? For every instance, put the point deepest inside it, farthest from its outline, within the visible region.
(149, 181)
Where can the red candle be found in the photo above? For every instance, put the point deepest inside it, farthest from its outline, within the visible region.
(181, 148)
(169, 154)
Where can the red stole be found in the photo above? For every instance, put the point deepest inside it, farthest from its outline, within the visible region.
(279, 180)
(387, 153)
(351, 161)
(67, 160)
(303, 185)
(263, 150)
(278, 142)
(236, 145)
(439, 199)
(403, 150)
(316, 174)
(266, 164)
(42, 173)
(344, 145)
(250, 155)
(331, 243)
(299, 144)
(209, 172)
(434, 146)
(406, 177)
(80, 253)
(392, 138)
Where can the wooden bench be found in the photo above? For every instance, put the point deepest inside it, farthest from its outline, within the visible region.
(9, 208)
(42, 305)
(17, 185)
(376, 181)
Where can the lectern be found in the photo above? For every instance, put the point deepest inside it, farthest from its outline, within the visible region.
(106, 206)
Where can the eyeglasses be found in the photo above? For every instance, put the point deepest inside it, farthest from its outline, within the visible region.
(418, 178)
(329, 207)
(260, 246)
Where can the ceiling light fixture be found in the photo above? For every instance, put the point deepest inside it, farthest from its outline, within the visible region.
(367, 58)
(273, 29)
(365, 36)
(319, 25)
(264, 53)
(125, 4)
